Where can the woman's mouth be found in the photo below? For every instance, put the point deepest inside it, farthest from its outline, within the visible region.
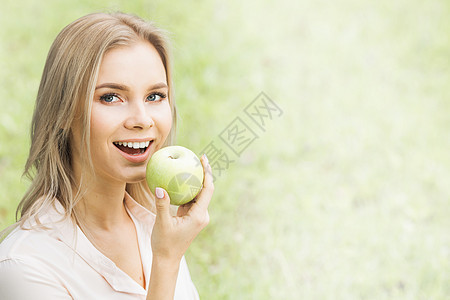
(133, 148)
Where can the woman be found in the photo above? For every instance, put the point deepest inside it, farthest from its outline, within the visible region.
(90, 228)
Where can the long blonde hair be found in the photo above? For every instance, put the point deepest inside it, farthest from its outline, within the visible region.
(67, 87)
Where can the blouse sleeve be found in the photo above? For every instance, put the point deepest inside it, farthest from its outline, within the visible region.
(185, 288)
(22, 280)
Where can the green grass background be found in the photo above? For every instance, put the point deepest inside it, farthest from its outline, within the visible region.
(346, 195)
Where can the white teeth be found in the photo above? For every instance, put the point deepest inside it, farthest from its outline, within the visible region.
(135, 145)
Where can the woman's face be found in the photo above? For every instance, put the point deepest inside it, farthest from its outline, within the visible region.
(131, 116)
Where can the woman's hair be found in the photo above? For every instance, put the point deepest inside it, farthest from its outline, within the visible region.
(65, 93)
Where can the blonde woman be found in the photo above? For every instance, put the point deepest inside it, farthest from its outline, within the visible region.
(89, 226)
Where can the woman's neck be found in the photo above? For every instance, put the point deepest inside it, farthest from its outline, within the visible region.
(102, 207)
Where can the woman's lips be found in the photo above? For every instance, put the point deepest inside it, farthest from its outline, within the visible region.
(134, 155)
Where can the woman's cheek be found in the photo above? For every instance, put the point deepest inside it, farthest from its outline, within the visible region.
(165, 121)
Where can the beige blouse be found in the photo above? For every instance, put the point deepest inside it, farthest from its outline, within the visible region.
(61, 263)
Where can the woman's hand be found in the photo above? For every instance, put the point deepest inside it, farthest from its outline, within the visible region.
(172, 235)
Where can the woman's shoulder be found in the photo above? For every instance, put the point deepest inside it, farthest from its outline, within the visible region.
(39, 237)
(26, 266)
(22, 243)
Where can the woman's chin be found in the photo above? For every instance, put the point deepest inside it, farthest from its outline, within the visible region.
(136, 179)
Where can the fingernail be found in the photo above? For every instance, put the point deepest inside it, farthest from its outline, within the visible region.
(159, 193)
(206, 158)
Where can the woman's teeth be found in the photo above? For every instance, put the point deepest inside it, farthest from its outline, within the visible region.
(134, 145)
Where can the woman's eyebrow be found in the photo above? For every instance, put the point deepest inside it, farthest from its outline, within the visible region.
(115, 86)
(159, 85)
(122, 87)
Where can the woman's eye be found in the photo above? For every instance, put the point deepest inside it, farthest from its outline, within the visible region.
(109, 98)
(156, 97)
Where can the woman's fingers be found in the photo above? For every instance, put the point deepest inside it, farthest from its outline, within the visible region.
(162, 205)
(205, 195)
(198, 210)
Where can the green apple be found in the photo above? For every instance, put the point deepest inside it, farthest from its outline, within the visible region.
(177, 170)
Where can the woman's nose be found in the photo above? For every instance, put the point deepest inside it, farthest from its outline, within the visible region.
(139, 116)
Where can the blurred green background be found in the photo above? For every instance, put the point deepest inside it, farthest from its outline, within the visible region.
(343, 196)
